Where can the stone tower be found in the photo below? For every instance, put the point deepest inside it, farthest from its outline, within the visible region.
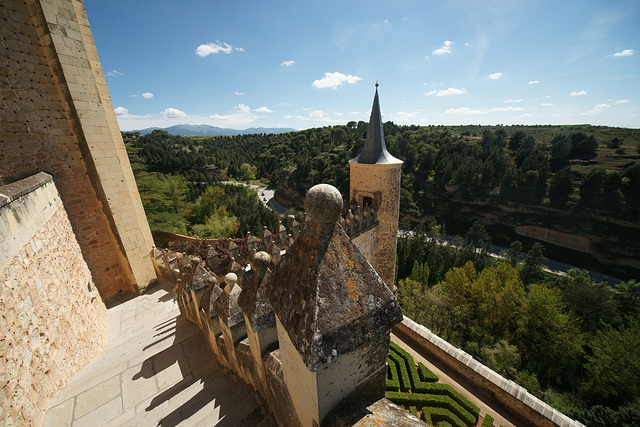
(375, 180)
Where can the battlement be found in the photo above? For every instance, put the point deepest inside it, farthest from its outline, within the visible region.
(306, 321)
(234, 255)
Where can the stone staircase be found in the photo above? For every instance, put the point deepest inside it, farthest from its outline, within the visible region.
(155, 370)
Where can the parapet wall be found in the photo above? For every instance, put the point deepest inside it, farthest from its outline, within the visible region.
(52, 320)
(524, 406)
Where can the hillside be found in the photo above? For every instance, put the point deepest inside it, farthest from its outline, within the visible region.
(193, 130)
(580, 182)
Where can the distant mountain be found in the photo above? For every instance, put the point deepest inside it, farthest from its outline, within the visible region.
(191, 130)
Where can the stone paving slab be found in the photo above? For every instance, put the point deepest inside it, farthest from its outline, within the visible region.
(156, 370)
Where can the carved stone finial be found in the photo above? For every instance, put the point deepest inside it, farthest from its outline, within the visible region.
(261, 261)
(323, 203)
(230, 279)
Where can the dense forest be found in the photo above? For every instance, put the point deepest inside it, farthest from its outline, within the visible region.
(576, 179)
(572, 342)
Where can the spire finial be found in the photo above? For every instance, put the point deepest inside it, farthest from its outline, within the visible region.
(377, 84)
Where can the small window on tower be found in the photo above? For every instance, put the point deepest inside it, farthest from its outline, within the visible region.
(367, 201)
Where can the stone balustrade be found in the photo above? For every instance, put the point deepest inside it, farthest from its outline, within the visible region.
(305, 321)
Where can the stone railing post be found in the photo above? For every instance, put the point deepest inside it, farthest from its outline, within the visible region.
(333, 315)
(231, 319)
(259, 318)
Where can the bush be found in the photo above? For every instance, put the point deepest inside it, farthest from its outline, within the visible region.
(439, 416)
(432, 401)
(413, 410)
(405, 382)
(393, 382)
(488, 421)
(426, 374)
(407, 371)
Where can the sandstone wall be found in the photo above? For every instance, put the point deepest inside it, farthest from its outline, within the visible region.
(579, 243)
(51, 325)
(56, 116)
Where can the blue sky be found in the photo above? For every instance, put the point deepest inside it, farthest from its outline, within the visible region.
(303, 64)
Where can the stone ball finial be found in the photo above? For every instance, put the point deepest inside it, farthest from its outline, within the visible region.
(323, 203)
(231, 279)
(261, 260)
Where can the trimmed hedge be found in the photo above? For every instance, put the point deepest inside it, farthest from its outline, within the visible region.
(393, 382)
(488, 421)
(408, 370)
(426, 374)
(440, 416)
(405, 382)
(432, 401)
(413, 410)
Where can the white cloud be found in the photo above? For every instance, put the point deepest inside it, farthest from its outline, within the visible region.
(263, 110)
(403, 116)
(446, 48)
(451, 91)
(464, 111)
(333, 80)
(500, 109)
(513, 100)
(287, 63)
(622, 101)
(114, 73)
(582, 92)
(626, 52)
(596, 110)
(318, 114)
(215, 48)
(533, 82)
(173, 113)
(121, 111)
(134, 96)
(240, 93)
(494, 76)
(431, 92)
(242, 115)
(314, 115)
(547, 104)
(147, 95)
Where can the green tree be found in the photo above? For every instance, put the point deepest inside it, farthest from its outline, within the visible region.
(514, 253)
(248, 172)
(497, 293)
(613, 368)
(560, 187)
(550, 340)
(532, 268)
(219, 225)
(420, 273)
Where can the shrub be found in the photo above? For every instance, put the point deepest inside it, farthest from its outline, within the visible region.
(488, 421)
(432, 401)
(405, 382)
(413, 410)
(426, 374)
(393, 382)
(439, 416)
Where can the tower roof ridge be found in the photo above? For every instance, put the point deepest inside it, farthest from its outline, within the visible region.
(375, 149)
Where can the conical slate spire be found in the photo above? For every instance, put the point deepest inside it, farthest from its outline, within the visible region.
(375, 150)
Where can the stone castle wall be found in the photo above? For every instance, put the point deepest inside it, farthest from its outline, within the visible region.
(52, 321)
(57, 117)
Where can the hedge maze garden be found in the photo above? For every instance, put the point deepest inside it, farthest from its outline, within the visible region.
(418, 390)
